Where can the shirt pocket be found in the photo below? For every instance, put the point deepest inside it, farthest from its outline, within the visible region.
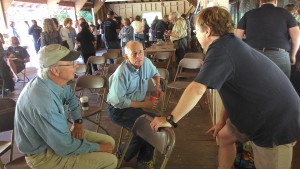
(144, 84)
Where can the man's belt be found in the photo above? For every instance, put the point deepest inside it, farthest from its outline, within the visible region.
(270, 49)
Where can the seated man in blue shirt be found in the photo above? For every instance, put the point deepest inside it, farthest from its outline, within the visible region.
(126, 98)
(41, 126)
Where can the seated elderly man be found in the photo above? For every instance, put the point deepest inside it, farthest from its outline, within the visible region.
(126, 98)
(16, 57)
(41, 126)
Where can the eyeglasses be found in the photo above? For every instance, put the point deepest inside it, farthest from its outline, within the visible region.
(71, 64)
(195, 31)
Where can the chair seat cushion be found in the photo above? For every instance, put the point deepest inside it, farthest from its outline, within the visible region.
(19, 163)
(4, 147)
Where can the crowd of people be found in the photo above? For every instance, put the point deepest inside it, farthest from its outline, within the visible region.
(109, 34)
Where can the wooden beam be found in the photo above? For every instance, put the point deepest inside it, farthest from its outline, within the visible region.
(66, 3)
(79, 4)
(33, 1)
(193, 2)
(4, 21)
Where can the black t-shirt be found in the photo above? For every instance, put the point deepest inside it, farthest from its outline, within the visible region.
(160, 29)
(109, 27)
(259, 98)
(18, 52)
(267, 26)
(86, 39)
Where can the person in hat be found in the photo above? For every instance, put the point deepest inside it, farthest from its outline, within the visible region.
(111, 30)
(41, 126)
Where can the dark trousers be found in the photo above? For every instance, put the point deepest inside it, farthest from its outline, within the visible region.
(295, 79)
(181, 48)
(85, 59)
(99, 42)
(112, 44)
(37, 46)
(126, 118)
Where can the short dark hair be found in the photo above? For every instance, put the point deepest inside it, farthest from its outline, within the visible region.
(110, 13)
(138, 18)
(55, 21)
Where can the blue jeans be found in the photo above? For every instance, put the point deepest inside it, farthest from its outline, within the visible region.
(126, 118)
(281, 59)
(181, 48)
(139, 38)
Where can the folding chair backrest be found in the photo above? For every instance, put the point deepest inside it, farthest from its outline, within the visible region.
(194, 55)
(97, 60)
(162, 55)
(164, 73)
(7, 103)
(118, 51)
(82, 69)
(190, 63)
(163, 140)
(119, 60)
(90, 81)
(111, 69)
(110, 55)
(7, 113)
(7, 119)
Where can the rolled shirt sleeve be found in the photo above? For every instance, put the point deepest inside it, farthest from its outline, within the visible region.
(41, 120)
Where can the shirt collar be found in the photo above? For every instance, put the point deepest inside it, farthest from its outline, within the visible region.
(130, 67)
(53, 87)
(267, 5)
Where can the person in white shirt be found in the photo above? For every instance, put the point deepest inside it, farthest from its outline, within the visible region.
(138, 28)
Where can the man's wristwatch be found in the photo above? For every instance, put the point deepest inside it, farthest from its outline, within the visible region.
(78, 121)
(169, 119)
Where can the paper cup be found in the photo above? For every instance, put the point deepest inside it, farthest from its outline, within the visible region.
(84, 102)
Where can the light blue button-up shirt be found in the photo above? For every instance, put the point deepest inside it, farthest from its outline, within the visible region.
(128, 32)
(41, 120)
(128, 84)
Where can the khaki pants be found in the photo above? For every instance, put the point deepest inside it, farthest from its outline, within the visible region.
(94, 160)
(277, 157)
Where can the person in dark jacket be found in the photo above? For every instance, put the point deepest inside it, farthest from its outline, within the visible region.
(87, 43)
(161, 27)
(35, 31)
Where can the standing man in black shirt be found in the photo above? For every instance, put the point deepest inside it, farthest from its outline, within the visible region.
(259, 102)
(35, 31)
(161, 27)
(111, 30)
(268, 29)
